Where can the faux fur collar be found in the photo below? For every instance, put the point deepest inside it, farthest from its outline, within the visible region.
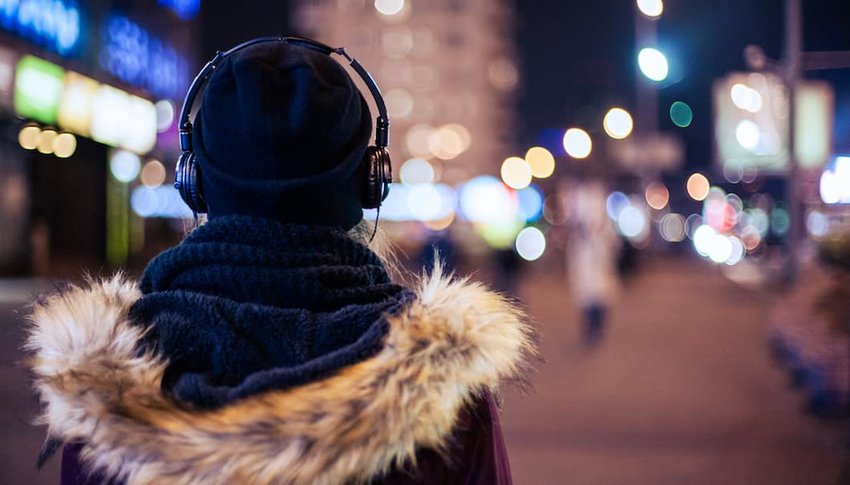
(456, 340)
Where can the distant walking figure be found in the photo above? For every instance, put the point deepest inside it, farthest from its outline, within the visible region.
(591, 257)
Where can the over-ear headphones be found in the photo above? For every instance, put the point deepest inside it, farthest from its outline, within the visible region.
(376, 168)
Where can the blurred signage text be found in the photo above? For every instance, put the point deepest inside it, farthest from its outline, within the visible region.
(54, 24)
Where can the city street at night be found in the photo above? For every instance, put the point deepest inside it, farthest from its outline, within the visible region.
(682, 389)
(654, 196)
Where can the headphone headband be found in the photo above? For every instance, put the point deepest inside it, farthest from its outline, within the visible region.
(382, 123)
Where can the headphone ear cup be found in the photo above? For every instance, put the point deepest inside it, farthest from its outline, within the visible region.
(187, 181)
(378, 176)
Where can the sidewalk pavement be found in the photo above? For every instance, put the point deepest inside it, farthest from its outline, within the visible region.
(681, 390)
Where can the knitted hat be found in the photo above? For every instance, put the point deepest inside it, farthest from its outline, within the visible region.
(281, 132)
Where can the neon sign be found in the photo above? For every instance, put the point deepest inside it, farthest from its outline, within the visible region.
(185, 9)
(55, 24)
(133, 55)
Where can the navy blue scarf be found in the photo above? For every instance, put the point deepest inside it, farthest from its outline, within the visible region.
(247, 305)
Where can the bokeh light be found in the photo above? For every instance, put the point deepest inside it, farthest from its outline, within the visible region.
(45, 142)
(416, 171)
(541, 161)
(732, 172)
(503, 74)
(530, 243)
(389, 7)
(617, 123)
(417, 140)
(736, 254)
(615, 203)
(698, 186)
(653, 64)
(681, 114)
(124, 165)
(448, 141)
(719, 248)
(672, 227)
(651, 8)
(759, 220)
(746, 98)
(29, 137)
(164, 115)
(703, 237)
(577, 143)
(631, 222)
(657, 195)
(152, 174)
(835, 182)
(424, 202)
(747, 134)
(399, 103)
(530, 203)
(692, 222)
(750, 237)
(516, 173)
(485, 199)
(397, 42)
(64, 145)
(162, 201)
(817, 223)
(780, 221)
(440, 224)
(500, 234)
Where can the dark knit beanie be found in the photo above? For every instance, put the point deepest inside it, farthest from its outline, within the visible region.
(281, 133)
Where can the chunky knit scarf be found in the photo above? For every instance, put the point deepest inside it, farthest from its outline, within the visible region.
(246, 305)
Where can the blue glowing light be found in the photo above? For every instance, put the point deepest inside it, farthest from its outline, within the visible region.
(615, 203)
(162, 201)
(530, 203)
(185, 9)
(54, 24)
(133, 55)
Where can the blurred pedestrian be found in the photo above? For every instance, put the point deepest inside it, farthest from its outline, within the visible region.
(592, 250)
(271, 345)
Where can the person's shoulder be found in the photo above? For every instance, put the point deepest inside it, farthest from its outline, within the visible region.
(452, 315)
(59, 322)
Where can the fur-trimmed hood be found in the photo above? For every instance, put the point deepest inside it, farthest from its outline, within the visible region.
(99, 388)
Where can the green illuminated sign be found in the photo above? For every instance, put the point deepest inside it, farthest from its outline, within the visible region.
(38, 87)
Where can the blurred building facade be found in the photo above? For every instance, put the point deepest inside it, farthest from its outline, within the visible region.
(87, 101)
(447, 70)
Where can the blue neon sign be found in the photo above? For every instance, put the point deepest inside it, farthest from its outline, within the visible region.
(55, 24)
(133, 55)
(185, 9)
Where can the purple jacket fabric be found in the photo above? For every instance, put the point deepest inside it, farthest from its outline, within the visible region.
(478, 456)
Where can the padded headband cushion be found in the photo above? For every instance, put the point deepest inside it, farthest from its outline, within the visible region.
(281, 133)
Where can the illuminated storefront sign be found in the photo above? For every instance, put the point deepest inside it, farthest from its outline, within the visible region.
(45, 92)
(133, 55)
(75, 107)
(38, 87)
(55, 24)
(122, 120)
(751, 122)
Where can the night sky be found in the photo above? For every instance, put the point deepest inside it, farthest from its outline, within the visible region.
(577, 57)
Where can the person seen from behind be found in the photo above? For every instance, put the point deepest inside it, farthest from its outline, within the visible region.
(271, 345)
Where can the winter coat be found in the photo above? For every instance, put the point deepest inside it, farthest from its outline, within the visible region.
(419, 411)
